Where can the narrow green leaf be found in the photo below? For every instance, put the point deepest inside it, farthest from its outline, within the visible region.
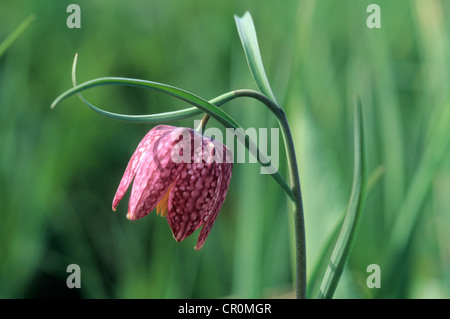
(190, 98)
(319, 267)
(15, 34)
(326, 251)
(349, 228)
(247, 33)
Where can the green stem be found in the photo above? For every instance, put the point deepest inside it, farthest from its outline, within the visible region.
(203, 123)
(249, 40)
(242, 93)
(299, 223)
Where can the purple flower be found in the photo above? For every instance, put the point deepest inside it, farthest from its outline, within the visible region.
(182, 173)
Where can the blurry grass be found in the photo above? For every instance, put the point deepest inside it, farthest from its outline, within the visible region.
(59, 170)
(15, 34)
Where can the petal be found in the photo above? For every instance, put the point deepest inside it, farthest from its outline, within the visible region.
(199, 192)
(156, 172)
(222, 193)
(140, 152)
(192, 196)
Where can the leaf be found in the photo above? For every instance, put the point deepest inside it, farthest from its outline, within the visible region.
(326, 251)
(247, 33)
(319, 267)
(349, 229)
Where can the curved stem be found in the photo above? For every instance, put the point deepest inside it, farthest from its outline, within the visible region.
(203, 123)
(241, 93)
(247, 33)
(299, 222)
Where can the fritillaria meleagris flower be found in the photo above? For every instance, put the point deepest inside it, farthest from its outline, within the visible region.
(182, 173)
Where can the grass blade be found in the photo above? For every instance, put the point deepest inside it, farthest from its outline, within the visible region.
(349, 228)
(15, 34)
(319, 267)
(326, 251)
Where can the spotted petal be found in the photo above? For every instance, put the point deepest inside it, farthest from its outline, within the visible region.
(140, 152)
(156, 172)
(191, 198)
(210, 218)
(198, 194)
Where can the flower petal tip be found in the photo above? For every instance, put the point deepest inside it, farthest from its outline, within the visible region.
(129, 216)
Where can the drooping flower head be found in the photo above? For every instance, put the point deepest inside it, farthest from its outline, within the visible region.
(181, 173)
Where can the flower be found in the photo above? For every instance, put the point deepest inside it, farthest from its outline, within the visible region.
(182, 173)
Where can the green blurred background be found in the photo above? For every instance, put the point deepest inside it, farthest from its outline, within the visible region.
(59, 169)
